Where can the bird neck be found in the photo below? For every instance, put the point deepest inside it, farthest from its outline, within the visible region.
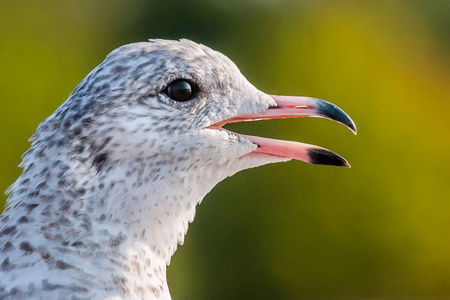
(130, 215)
(150, 202)
(154, 205)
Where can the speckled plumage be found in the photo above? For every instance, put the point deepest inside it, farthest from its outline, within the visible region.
(113, 177)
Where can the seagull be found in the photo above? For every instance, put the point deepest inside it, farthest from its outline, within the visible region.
(113, 177)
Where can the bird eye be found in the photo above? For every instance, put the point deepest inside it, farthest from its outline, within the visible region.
(180, 90)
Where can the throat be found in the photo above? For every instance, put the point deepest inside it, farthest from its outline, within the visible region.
(143, 273)
(155, 210)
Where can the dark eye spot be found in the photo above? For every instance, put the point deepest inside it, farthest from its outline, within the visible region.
(181, 90)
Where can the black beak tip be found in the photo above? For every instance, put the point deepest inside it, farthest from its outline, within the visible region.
(330, 111)
(326, 157)
(351, 125)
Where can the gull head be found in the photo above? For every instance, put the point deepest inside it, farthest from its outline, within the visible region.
(141, 138)
(167, 101)
(113, 176)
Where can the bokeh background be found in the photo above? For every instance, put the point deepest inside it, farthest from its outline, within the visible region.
(380, 230)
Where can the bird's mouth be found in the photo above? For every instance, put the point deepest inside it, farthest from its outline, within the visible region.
(296, 107)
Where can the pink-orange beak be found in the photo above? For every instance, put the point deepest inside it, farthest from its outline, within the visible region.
(297, 107)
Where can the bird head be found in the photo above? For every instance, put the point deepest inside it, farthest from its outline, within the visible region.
(140, 141)
(169, 100)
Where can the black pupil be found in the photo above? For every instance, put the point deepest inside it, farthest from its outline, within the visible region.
(179, 90)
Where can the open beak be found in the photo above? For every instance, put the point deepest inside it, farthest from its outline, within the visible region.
(297, 107)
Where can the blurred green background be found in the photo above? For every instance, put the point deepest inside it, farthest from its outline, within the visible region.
(380, 230)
